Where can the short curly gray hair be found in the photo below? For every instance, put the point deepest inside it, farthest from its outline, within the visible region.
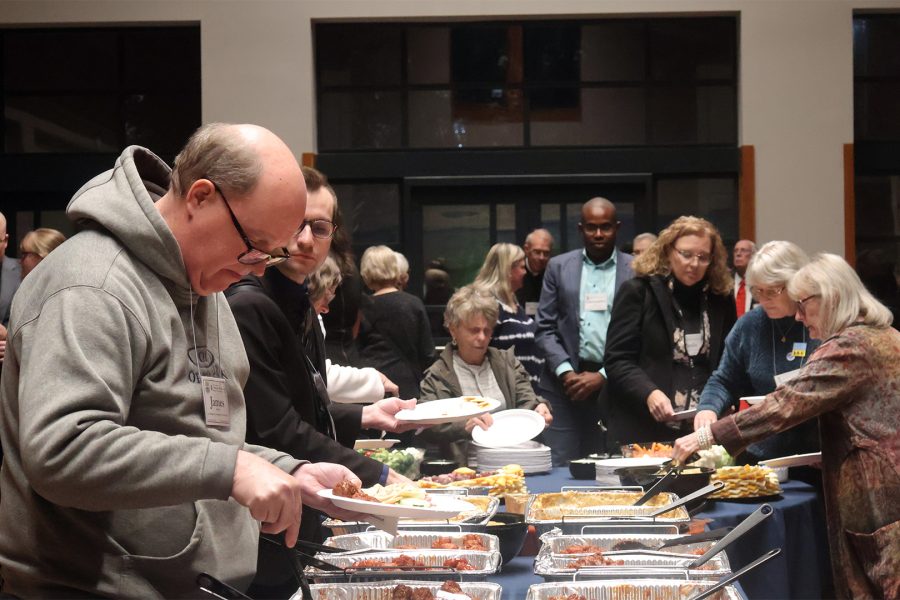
(379, 268)
(470, 301)
(775, 263)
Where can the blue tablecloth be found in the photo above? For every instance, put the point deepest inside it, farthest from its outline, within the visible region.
(797, 526)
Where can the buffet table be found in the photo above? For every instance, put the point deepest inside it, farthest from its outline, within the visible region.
(797, 526)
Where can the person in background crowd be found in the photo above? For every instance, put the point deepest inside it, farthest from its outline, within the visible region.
(10, 276)
(580, 289)
(403, 267)
(396, 335)
(438, 290)
(641, 242)
(668, 332)
(288, 406)
(501, 275)
(470, 367)
(345, 384)
(342, 321)
(764, 350)
(743, 252)
(850, 384)
(538, 247)
(36, 245)
(126, 473)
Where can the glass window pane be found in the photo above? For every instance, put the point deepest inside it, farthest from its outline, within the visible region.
(878, 266)
(550, 222)
(428, 55)
(553, 52)
(506, 223)
(161, 122)
(876, 46)
(877, 206)
(459, 235)
(359, 54)
(371, 212)
(613, 51)
(486, 53)
(62, 124)
(692, 48)
(573, 218)
(693, 115)
(602, 116)
(60, 60)
(487, 117)
(876, 115)
(355, 120)
(166, 57)
(714, 199)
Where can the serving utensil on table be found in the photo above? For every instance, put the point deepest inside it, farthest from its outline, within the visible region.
(660, 486)
(701, 493)
(218, 589)
(626, 546)
(736, 575)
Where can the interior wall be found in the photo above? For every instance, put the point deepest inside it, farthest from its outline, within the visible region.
(796, 82)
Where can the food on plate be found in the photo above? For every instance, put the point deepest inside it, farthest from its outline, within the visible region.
(397, 493)
(450, 590)
(655, 450)
(595, 560)
(581, 549)
(348, 489)
(509, 479)
(715, 458)
(405, 461)
(745, 482)
(470, 541)
(477, 402)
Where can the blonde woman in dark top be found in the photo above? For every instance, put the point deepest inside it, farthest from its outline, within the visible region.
(395, 336)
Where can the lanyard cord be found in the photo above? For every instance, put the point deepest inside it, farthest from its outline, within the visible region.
(194, 335)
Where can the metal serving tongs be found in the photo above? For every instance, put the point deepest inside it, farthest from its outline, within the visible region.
(662, 485)
(219, 589)
(701, 493)
(756, 517)
(630, 546)
(719, 585)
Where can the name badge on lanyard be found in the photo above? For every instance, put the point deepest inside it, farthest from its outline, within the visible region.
(798, 351)
(531, 308)
(596, 301)
(783, 378)
(693, 342)
(215, 401)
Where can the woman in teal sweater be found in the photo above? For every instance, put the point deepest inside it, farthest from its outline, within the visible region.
(766, 347)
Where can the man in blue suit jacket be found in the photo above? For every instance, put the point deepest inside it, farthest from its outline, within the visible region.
(574, 312)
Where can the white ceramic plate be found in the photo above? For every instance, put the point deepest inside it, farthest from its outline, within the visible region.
(374, 444)
(443, 507)
(510, 427)
(449, 410)
(684, 415)
(751, 400)
(796, 460)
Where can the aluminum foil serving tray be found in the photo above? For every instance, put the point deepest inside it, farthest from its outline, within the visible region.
(639, 564)
(476, 521)
(629, 589)
(485, 563)
(555, 542)
(421, 540)
(571, 511)
(384, 590)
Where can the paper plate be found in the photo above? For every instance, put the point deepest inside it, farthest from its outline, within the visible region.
(450, 410)
(443, 507)
(510, 427)
(374, 444)
(796, 460)
(751, 400)
(609, 465)
(684, 415)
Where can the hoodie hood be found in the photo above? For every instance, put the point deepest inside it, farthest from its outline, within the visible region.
(121, 201)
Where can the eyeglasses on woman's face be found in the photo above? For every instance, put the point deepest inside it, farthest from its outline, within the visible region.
(253, 256)
(761, 293)
(687, 256)
(801, 304)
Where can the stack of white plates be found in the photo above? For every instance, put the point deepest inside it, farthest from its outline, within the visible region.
(533, 457)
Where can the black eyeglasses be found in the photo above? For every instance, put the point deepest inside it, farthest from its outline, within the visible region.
(801, 304)
(320, 228)
(253, 256)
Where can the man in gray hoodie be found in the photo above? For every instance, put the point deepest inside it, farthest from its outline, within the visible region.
(123, 420)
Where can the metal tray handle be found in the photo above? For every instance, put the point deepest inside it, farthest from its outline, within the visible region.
(755, 518)
(736, 575)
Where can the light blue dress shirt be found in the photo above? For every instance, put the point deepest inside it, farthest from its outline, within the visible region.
(595, 278)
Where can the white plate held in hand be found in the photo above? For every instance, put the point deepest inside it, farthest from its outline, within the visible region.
(450, 410)
(751, 400)
(510, 427)
(443, 507)
(374, 444)
(796, 460)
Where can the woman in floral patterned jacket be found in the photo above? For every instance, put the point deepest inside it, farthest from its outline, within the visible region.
(852, 383)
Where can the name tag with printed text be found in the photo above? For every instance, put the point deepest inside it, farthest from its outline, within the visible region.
(215, 401)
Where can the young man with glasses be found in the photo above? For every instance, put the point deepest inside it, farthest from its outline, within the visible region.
(288, 404)
(126, 470)
(580, 288)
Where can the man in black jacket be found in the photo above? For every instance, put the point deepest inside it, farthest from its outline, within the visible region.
(287, 399)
